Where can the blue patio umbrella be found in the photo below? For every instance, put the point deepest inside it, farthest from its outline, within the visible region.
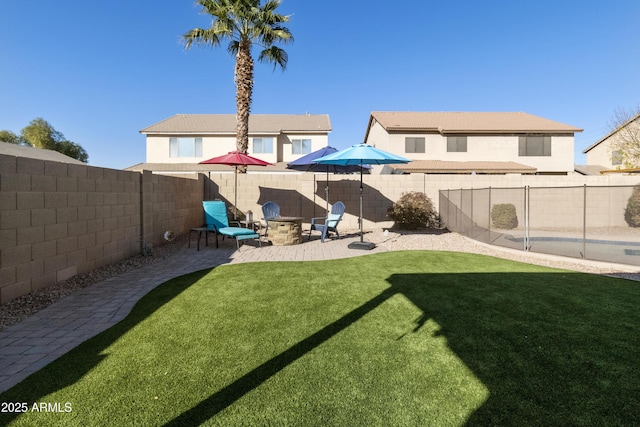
(307, 164)
(361, 154)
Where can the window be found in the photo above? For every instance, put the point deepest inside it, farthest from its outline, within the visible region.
(616, 158)
(414, 145)
(533, 145)
(457, 144)
(300, 146)
(185, 147)
(263, 145)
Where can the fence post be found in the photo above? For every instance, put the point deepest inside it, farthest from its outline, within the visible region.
(458, 207)
(584, 223)
(489, 226)
(527, 218)
(472, 227)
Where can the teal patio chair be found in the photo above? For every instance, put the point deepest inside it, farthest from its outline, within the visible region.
(270, 210)
(216, 220)
(330, 223)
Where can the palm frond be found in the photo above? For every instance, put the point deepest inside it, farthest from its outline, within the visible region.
(200, 36)
(233, 47)
(274, 55)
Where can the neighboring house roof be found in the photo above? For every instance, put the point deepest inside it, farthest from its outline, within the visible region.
(595, 144)
(36, 153)
(203, 168)
(589, 169)
(443, 166)
(226, 124)
(467, 122)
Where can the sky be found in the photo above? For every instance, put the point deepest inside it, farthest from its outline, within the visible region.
(100, 72)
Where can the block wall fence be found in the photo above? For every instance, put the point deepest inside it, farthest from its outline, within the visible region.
(58, 220)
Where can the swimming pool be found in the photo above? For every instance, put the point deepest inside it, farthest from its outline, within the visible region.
(617, 251)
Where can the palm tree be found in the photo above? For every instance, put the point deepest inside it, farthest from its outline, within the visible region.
(244, 23)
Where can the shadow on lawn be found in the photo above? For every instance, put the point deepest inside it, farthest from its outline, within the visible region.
(71, 367)
(550, 348)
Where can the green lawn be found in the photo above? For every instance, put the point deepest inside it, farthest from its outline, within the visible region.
(403, 338)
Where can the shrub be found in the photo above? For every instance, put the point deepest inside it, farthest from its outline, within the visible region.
(632, 212)
(413, 211)
(504, 216)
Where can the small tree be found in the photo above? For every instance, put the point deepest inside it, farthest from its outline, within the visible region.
(11, 138)
(504, 216)
(40, 134)
(413, 211)
(625, 137)
(632, 212)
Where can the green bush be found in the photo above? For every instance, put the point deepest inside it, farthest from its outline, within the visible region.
(504, 216)
(632, 213)
(414, 211)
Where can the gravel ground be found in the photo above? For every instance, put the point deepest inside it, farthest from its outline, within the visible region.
(20, 308)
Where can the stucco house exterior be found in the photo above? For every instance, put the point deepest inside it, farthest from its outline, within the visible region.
(601, 153)
(474, 142)
(184, 140)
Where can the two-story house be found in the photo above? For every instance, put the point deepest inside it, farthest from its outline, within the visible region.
(182, 141)
(601, 153)
(474, 142)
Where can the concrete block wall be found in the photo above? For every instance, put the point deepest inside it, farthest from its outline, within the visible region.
(58, 220)
(304, 194)
(170, 204)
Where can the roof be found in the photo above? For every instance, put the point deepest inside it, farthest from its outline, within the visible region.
(595, 144)
(226, 124)
(203, 168)
(36, 153)
(443, 166)
(589, 169)
(468, 122)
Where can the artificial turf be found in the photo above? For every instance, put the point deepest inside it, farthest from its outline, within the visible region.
(399, 338)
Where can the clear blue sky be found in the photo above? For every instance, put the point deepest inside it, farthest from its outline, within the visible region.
(100, 72)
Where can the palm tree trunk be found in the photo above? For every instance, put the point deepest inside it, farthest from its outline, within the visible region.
(244, 90)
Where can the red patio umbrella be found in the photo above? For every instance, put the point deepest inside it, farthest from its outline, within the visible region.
(235, 158)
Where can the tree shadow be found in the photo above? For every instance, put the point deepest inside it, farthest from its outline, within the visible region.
(547, 355)
(551, 350)
(291, 202)
(374, 203)
(228, 395)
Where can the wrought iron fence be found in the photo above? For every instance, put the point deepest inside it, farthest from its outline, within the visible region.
(588, 222)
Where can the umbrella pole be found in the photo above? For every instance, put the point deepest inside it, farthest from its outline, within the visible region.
(361, 222)
(235, 195)
(361, 244)
(326, 191)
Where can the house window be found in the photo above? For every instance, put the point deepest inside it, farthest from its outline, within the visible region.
(534, 145)
(300, 146)
(414, 145)
(616, 158)
(457, 144)
(185, 147)
(263, 145)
